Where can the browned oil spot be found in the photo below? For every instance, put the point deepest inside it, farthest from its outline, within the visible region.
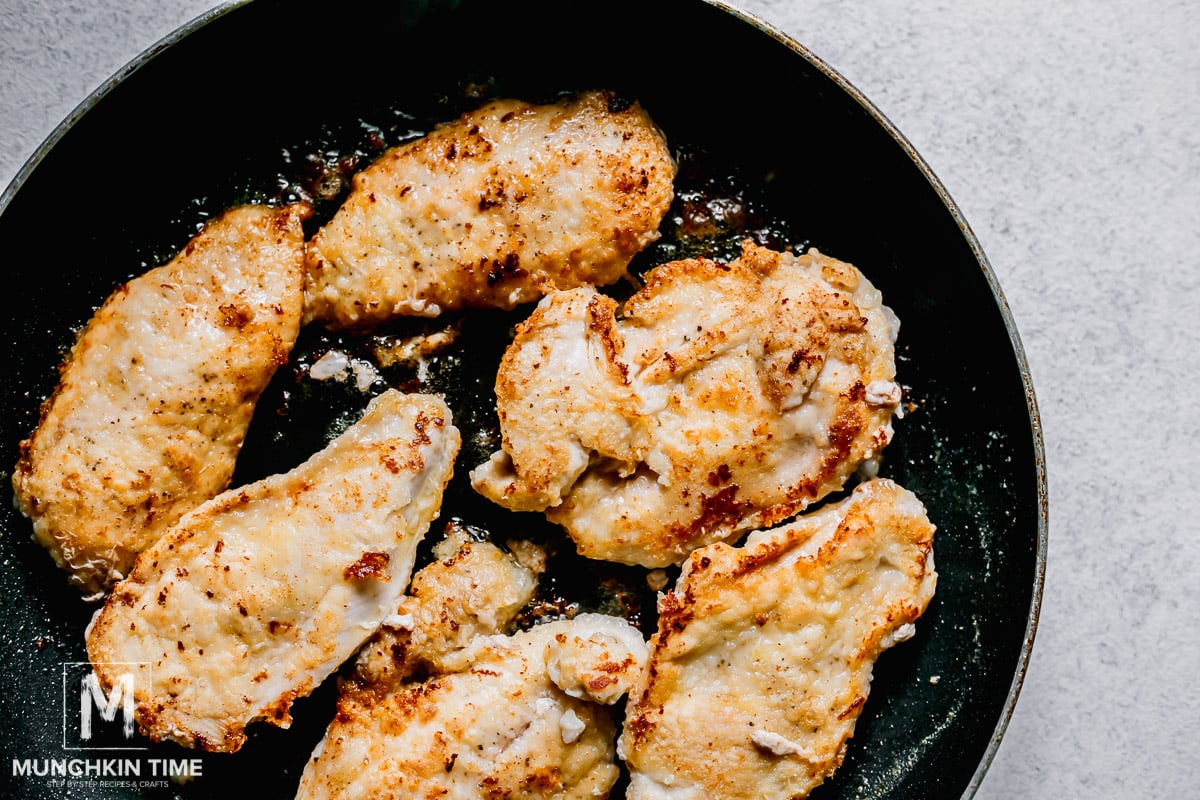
(235, 316)
(601, 682)
(371, 565)
(722, 475)
(852, 708)
(422, 438)
(502, 269)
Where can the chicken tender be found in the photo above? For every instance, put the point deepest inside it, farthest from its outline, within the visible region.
(155, 398)
(474, 590)
(500, 726)
(726, 397)
(764, 653)
(256, 596)
(492, 210)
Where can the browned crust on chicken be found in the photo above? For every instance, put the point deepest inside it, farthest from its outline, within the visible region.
(256, 596)
(497, 208)
(155, 398)
(763, 656)
(474, 589)
(727, 396)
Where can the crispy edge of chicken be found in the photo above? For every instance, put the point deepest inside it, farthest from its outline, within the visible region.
(494, 209)
(763, 657)
(255, 597)
(157, 393)
(726, 397)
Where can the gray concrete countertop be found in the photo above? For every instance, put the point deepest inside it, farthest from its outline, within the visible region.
(1069, 135)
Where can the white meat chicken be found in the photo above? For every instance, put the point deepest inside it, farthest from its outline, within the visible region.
(725, 397)
(495, 209)
(255, 597)
(156, 396)
(518, 717)
(763, 656)
(474, 589)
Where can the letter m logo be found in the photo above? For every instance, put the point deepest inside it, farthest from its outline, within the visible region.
(91, 695)
(95, 719)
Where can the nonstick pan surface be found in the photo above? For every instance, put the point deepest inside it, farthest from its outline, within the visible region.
(268, 101)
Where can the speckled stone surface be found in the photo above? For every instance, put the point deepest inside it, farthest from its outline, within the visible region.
(1069, 135)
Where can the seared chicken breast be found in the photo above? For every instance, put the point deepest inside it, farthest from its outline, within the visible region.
(440, 706)
(156, 395)
(474, 589)
(519, 719)
(254, 597)
(725, 397)
(763, 656)
(494, 209)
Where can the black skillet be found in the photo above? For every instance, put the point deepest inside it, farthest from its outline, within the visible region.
(275, 99)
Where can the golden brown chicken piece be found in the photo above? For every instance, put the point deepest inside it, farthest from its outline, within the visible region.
(156, 396)
(512, 722)
(474, 589)
(726, 397)
(498, 716)
(764, 653)
(255, 597)
(494, 209)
